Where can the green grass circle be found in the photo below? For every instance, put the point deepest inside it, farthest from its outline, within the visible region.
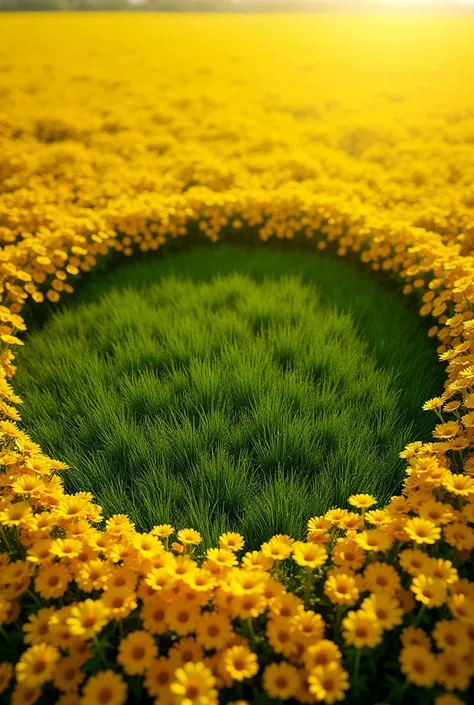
(230, 389)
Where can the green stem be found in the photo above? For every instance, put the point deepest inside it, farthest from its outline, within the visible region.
(5, 540)
(420, 615)
(308, 585)
(357, 664)
(251, 632)
(99, 649)
(338, 616)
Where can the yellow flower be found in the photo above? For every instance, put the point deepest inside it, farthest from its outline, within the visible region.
(184, 651)
(308, 625)
(374, 540)
(448, 699)
(310, 555)
(322, 653)
(222, 557)
(153, 615)
(163, 531)
(360, 629)
(280, 635)
(16, 514)
(280, 680)
(458, 485)
(231, 541)
(52, 580)
(413, 561)
(462, 608)
(68, 675)
(419, 665)
(362, 501)
(431, 592)
(240, 663)
(182, 618)
(37, 665)
(446, 430)
(277, 549)
(194, 684)
(189, 537)
(385, 608)
(87, 618)
(432, 404)
(93, 575)
(213, 630)
(6, 672)
(119, 601)
(381, 577)
(442, 569)
(136, 652)
(158, 676)
(452, 672)
(415, 636)
(105, 687)
(341, 589)
(422, 531)
(452, 636)
(37, 628)
(347, 554)
(328, 682)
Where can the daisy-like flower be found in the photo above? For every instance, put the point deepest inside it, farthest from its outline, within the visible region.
(52, 580)
(37, 628)
(413, 561)
(431, 592)
(381, 577)
(328, 682)
(194, 684)
(240, 663)
(158, 676)
(385, 608)
(280, 680)
(432, 404)
(462, 608)
(419, 665)
(68, 675)
(451, 635)
(415, 636)
(213, 630)
(446, 430)
(186, 650)
(309, 555)
(104, 687)
(280, 635)
(37, 665)
(231, 541)
(153, 615)
(136, 652)
(422, 531)
(163, 531)
(361, 629)
(189, 537)
(277, 549)
(87, 618)
(322, 653)
(452, 672)
(6, 672)
(341, 589)
(374, 540)
(362, 501)
(459, 485)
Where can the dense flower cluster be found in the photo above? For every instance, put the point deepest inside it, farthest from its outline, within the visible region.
(120, 145)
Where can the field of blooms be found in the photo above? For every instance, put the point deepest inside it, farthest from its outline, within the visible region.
(353, 133)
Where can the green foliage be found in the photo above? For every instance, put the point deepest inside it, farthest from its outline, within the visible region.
(230, 389)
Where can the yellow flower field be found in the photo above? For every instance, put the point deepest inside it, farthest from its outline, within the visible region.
(119, 132)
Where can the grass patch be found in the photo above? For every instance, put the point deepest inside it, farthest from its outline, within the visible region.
(230, 388)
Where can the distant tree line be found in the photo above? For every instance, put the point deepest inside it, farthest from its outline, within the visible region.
(160, 5)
